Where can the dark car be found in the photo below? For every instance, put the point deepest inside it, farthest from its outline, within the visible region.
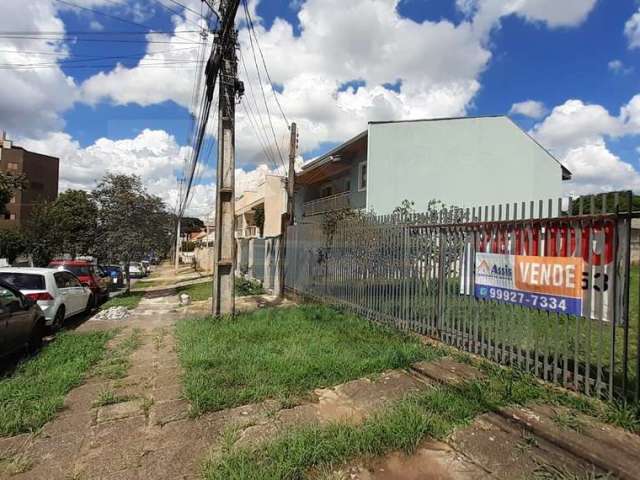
(115, 274)
(22, 322)
(88, 275)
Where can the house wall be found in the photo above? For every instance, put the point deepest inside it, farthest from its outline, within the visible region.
(461, 162)
(275, 205)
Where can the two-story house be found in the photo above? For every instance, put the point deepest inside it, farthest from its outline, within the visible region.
(270, 198)
(459, 161)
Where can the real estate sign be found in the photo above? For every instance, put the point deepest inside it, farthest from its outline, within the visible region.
(553, 284)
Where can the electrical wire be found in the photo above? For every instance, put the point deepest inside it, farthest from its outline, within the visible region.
(264, 63)
(264, 97)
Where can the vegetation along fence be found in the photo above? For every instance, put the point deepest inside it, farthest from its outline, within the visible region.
(539, 286)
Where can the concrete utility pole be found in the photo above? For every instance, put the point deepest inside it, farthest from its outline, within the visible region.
(287, 218)
(225, 247)
(177, 251)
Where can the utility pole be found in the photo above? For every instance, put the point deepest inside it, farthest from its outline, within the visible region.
(287, 218)
(224, 60)
(177, 250)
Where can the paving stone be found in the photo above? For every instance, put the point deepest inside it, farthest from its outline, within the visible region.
(170, 411)
(447, 370)
(169, 393)
(120, 410)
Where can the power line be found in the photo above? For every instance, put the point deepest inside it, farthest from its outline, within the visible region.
(264, 97)
(103, 40)
(169, 9)
(264, 63)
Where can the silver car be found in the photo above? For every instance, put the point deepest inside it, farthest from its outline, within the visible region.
(59, 293)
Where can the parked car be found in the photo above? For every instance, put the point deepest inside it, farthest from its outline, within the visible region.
(136, 270)
(147, 267)
(116, 275)
(21, 321)
(59, 293)
(88, 274)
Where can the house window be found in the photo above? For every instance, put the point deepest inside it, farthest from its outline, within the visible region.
(362, 176)
(12, 166)
(9, 216)
(326, 190)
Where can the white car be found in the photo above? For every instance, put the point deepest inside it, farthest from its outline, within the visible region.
(136, 270)
(59, 293)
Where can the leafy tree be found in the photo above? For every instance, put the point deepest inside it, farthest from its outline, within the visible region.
(190, 225)
(75, 215)
(42, 236)
(12, 244)
(258, 216)
(131, 223)
(9, 185)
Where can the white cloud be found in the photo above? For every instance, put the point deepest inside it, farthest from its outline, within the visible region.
(487, 13)
(96, 26)
(577, 134)
(32, 99)
(632, 30)
(618, 67)
(529, 108)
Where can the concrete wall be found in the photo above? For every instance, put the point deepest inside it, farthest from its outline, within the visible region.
(461, 162)
(204, 259)
(272, 194)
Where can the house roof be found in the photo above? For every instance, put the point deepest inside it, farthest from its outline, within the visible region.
(330, 155)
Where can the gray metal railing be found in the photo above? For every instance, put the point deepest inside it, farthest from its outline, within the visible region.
(428, 273)
(339, 201)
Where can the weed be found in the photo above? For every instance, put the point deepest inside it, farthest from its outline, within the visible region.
(15, 463)
(569, 421)
(109, 397)
(116, 363)
(551, 472)
(147, 403)
(284, 353)
(32, 395)
(245, 287)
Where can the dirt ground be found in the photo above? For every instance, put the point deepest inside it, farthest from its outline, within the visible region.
(152, 436)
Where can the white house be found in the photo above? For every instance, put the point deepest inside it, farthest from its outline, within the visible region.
(463, 162)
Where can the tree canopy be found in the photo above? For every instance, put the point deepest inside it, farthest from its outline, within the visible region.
(9, 185)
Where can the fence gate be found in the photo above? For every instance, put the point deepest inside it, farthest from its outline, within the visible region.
(542, 287)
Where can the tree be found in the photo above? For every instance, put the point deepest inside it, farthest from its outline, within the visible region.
(131, 223)
(258, 217)
(75, 215)
(12, 244)
(191, 225)
(9, 185)
(43, 241)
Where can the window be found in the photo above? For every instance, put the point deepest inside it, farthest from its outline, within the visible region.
(60, 280)
(23, 281)
(9, 216)
(362, 176)
(9, 300)
(326, 190)
(71, 280)
(12, 166)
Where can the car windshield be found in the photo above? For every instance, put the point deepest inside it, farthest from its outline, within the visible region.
(24, 281)
(78, 270)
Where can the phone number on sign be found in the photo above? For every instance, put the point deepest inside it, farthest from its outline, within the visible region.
(533, 300)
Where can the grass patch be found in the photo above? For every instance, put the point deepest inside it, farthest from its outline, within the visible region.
(109, 397)
(246, 288)
(551, 472)
(116, 362)
(284, 353)
(130, 300)
(14, 464)
(148, 283)
(197, 291)
(36, 390)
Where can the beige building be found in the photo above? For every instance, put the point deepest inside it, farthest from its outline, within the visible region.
(272, 197)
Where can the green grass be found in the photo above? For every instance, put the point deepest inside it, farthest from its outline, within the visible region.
(109, 397)
(116, 363)
(147, 283)
(245, 287)
(202, 291)
(433, 413)
(285, 353)
(129, 300)
(197, 291)
(35, 392)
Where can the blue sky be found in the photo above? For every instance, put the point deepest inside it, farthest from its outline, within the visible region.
(576, 64)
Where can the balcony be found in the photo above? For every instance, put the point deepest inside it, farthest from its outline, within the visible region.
(339, 201)
(250, 231)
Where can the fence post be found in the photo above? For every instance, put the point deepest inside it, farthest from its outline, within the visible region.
(251, 265)
(277, 277)
(442, 279)
(268, 246)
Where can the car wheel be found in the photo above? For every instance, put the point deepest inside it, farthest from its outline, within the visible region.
(91, 304)
(38, 333)
(58, 320)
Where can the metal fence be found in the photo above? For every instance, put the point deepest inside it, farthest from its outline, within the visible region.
(468, 277)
